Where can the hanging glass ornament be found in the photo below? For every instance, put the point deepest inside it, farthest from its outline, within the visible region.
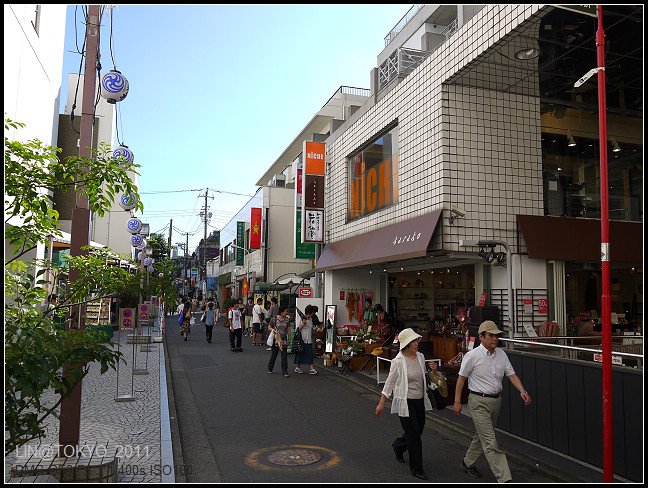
(150, 269)
(114, 86)
(127, 201)
(125, 152)
(134, 225)
(148, 261)
(137, 240)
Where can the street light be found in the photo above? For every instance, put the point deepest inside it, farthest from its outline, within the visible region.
(509, 268)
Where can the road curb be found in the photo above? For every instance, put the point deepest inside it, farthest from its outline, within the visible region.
(176, 446)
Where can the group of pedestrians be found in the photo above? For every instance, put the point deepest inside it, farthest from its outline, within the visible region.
(484, 368)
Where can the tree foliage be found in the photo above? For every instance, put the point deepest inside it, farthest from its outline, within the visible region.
(36, 345)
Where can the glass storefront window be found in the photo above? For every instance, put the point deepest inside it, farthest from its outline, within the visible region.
(571, 178)
(373, 176)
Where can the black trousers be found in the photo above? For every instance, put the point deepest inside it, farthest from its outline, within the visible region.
(284, 359)
(411, 439)
(208, 331)
(238, 335)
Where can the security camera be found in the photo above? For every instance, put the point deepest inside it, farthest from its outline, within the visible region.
(459, 212)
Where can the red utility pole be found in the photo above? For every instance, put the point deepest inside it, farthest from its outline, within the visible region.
(70, 421)
(606, 320)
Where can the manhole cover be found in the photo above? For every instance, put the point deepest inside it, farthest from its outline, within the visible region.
(294, 457)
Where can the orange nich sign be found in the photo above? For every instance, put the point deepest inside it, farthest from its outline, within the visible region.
(375, 189)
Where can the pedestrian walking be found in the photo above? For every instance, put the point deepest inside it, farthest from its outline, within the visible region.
(272, 312)
(279, 326)
(257, 322)
(306, 356)
(485, 367)
(235, 327)
(186, 320)
(247, 314)
(210, 319)
(406, 382)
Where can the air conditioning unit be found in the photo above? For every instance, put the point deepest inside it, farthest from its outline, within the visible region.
(279, 180)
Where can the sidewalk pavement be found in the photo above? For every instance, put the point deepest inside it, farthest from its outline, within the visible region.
(551, 463)
(136, 432)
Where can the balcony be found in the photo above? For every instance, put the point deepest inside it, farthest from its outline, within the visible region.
(400, 64)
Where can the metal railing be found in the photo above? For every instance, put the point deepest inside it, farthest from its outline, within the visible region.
(573, 351)
(400, 25)
(451, 29)
(400, 63)
(350, 90)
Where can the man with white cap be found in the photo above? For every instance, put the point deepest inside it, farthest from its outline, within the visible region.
(485, 367)
(406, 381)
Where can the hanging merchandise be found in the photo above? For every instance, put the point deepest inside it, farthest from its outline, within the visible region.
(128, 201)
(124, 151)
(361, 299)
(114, 86)
(134, 225)
(137, 240)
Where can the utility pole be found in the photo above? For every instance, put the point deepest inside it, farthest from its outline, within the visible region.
(187, 254)
(169, 240)
(206, 216)
(70, 417)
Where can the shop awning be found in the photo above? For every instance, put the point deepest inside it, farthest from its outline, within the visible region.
(404, 240)
(570, 239)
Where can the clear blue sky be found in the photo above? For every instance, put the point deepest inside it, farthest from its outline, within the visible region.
(216, 93)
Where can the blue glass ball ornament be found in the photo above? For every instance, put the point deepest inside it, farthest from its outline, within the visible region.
(148, 261)
(137, 240)
(134, 225)
(150, 269)
(114, 86)
(127, 201)
(126, 153)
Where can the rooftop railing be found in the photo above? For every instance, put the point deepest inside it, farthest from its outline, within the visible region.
(401, 23)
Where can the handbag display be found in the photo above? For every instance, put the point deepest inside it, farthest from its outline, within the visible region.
(298, 342)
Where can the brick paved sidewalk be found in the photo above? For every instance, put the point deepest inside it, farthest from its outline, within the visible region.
(129, 429)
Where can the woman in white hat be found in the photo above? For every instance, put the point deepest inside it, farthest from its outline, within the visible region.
(406, 381)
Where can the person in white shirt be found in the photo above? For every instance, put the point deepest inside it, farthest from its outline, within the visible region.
(236, 332)
(257, 322)
(407, 383)
(485, 367)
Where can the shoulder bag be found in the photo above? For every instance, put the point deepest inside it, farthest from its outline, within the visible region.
(298, 342)
(434, 395)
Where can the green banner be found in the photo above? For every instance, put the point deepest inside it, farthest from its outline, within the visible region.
(302, 250)
(240, 242)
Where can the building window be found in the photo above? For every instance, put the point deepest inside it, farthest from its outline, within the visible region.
(36, 21)
(571, 178)
(373, 176)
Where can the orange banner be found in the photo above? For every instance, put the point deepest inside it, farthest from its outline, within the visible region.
(245, 288)
(255, 228)
(315, 155)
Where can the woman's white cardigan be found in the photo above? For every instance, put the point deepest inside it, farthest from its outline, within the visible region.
(396, 383)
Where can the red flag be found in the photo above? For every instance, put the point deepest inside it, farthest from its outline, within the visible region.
(255, 228)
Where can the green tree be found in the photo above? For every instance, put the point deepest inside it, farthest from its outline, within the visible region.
(159, 246)
(36, 347)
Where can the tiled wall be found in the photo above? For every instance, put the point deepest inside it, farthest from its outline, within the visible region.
(471, 147)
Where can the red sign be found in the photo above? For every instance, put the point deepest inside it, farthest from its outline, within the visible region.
(341, 294)
(143, 312)
(245, 288)
(482, 300)
(126, 318)
(543, 307)
(255, 228)
(305, 292)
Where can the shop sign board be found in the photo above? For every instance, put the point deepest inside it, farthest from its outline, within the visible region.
(312, 192)
(194, 272)
(313, 226)
(302, 250)
(240, 242)
(305, 292)
(598, 357)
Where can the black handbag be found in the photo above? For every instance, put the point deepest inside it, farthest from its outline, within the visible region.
(436, 399)
(298, 342)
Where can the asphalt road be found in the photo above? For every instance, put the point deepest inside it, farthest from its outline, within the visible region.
(239, 424)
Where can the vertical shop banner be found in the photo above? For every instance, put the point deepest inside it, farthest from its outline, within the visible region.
(255, 228)
(302, 251)
(313, 188)
(240, 243)
(245, 288)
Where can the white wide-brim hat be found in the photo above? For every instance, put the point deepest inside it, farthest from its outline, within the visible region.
(406, 336)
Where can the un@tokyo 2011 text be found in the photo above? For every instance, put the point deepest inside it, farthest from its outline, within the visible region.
(154, 469)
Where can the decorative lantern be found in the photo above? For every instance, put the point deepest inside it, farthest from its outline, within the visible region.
(127, 201)
(148, 261)
(137, 240)
(134, 225)
(125, 152)
(114, 86)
